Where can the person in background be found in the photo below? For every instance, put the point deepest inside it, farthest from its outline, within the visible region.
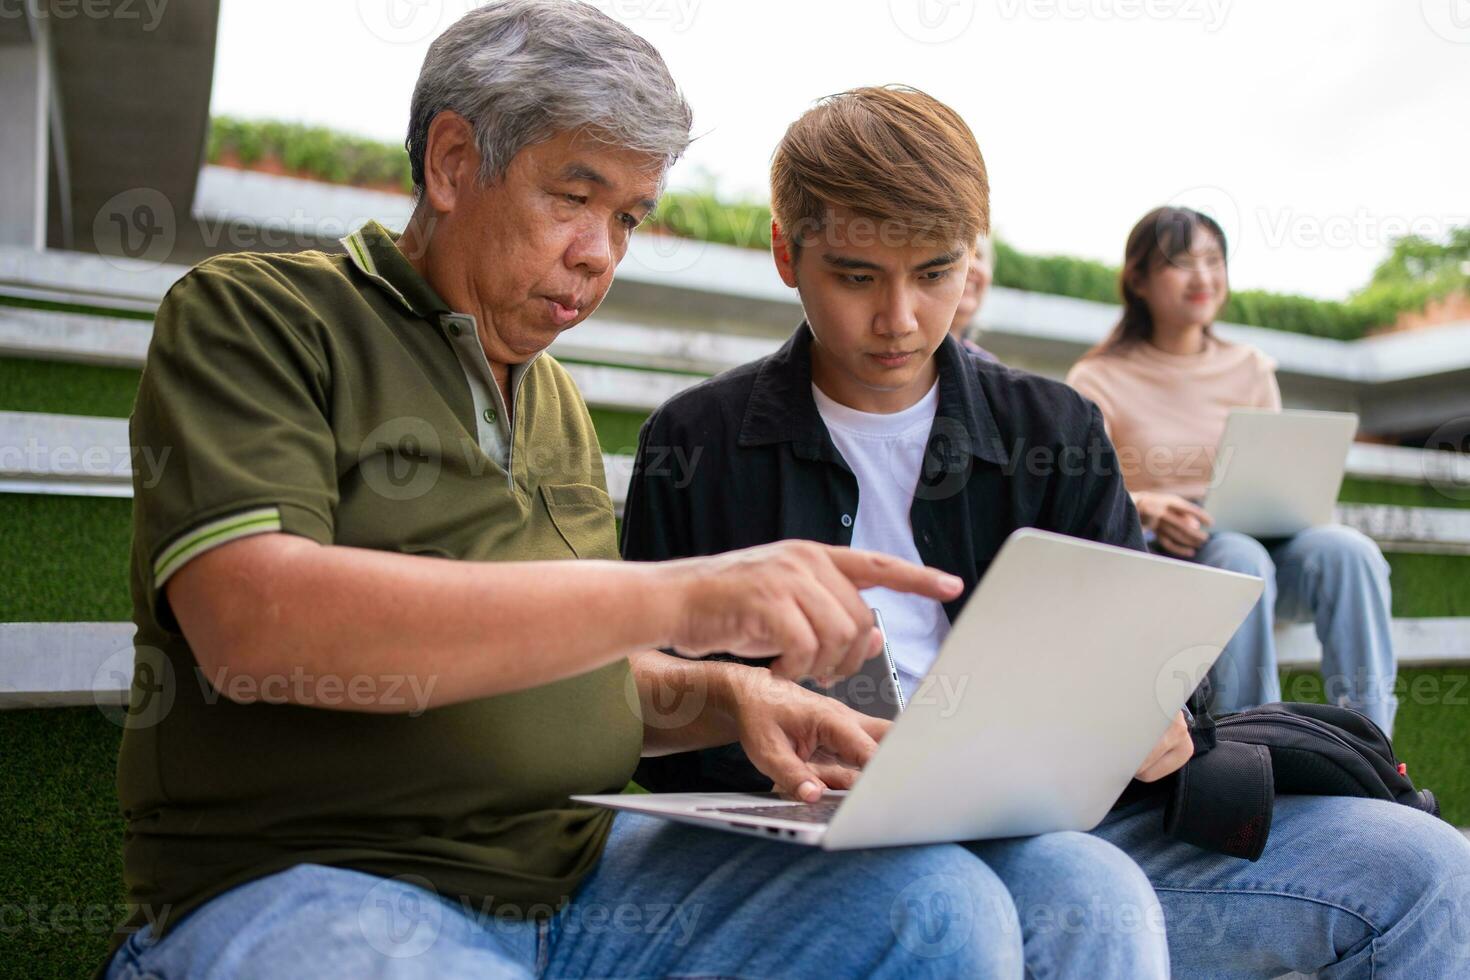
(977, 284)
(1166, 382)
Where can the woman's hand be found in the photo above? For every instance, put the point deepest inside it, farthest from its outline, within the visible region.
(1177, 523)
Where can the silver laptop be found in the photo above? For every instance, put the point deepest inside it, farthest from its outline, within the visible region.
(1278, 473)
(1066, 667)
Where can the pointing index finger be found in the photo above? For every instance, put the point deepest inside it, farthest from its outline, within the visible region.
(870, 569)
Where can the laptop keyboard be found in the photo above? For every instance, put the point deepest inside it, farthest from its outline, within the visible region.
(819, 812)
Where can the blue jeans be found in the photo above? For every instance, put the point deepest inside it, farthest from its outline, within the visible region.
(1345, 888)
(670, 900)
(1332, 576)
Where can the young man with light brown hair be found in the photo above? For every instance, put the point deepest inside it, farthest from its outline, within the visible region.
(878, 195)
(873, 427)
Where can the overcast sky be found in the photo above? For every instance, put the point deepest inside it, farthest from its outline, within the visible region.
(1314, 129)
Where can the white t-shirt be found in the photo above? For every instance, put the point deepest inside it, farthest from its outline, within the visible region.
(885, 453)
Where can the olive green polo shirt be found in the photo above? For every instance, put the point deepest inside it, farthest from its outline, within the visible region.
(338, 398)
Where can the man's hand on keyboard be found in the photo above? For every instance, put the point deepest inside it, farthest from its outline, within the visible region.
(805, 742)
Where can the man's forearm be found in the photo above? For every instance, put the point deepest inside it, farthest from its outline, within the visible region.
(687, 704)
(273, 604)
(276, 604)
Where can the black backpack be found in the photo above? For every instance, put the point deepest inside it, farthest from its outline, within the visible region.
(1222, 799)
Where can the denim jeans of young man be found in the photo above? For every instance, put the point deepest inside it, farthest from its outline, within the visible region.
(1346, 888)
(1332, 576)
(670, 900)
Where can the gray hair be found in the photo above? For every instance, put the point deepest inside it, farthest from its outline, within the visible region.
(521, 71)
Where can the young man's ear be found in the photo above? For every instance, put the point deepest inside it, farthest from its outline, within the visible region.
(781, 252)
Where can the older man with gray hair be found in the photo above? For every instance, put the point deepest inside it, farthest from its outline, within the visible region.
(368, 675)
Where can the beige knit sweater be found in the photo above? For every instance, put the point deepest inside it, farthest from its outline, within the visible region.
(1166, 412)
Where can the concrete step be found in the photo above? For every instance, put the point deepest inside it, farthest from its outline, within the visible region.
(82, 455)
(90, 456)
(53, 335)
(616, 365)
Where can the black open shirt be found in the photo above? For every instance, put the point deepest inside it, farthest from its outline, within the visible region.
(744, 459)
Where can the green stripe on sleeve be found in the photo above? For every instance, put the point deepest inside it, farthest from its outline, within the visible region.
(194, 543)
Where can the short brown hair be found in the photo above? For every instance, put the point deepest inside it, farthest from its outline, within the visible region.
(891, 153)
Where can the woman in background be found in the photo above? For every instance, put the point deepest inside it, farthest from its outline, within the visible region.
(1165, 384)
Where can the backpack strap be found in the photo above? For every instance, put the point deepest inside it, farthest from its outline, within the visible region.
(1222, 800)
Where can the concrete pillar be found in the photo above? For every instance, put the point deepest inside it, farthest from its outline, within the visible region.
(25, 102)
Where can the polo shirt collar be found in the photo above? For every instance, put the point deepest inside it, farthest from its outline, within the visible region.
(781, 407)
(372, 250)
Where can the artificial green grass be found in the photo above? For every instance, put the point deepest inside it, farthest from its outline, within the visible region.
(26, 303)
(66, 389)
(60, 842)
(1356, 491)
(1430, 585)
(65, 558)
(617, 432)
(1431, 732)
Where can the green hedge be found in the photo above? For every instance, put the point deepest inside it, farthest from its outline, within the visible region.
(1059, 274)
(313, 151)
(1300, 314)
(703, 216)
(1416, 271)
(747, 224)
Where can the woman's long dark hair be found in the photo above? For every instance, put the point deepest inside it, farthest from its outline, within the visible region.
(1162, 234)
